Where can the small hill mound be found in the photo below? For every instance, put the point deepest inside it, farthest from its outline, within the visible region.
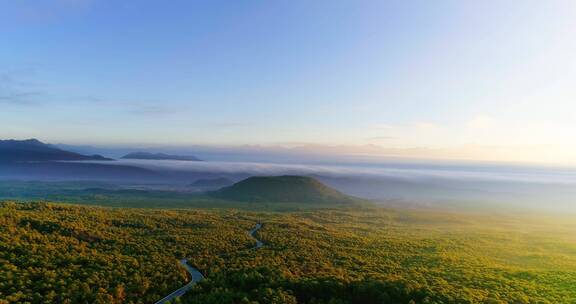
(159, 156)
(35, 150)
(293, 189)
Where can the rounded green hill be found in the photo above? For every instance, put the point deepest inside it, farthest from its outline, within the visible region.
(287, 188)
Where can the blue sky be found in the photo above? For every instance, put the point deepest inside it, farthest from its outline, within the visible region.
(439, 79)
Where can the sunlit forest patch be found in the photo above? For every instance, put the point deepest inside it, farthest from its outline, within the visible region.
(56, 253)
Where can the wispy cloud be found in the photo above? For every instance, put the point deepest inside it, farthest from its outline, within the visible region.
(16, 92)
(381, 139)
(131, 107)
(231, 124)
(150, 110)
(18, 98)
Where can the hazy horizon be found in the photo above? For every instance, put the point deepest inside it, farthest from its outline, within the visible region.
(295, 152)
(489, 81)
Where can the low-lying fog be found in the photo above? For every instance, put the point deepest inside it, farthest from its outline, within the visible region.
(447, 185)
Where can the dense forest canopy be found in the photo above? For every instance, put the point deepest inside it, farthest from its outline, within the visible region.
(55, 253)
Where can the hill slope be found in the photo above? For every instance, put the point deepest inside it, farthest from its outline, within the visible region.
(159, 156)
(297, 189)
(214, 183)
(35, 150)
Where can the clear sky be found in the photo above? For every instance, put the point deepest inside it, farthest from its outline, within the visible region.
(488, 80)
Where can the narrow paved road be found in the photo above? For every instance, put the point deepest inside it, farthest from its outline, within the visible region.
(252, 232)
(197, 276)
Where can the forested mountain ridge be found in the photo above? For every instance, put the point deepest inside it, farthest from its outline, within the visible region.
(35, 150)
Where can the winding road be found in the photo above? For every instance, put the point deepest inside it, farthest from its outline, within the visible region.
(252, 232)
(197, 276)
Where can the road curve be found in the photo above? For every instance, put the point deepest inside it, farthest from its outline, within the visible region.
(252, 234)
(197, 276)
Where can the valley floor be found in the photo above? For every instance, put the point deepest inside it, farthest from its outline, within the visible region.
(55, 253)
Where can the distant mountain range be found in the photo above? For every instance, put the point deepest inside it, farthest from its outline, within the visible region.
(287, 188)
(159, 156)
(34, 160)
(33, 150)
